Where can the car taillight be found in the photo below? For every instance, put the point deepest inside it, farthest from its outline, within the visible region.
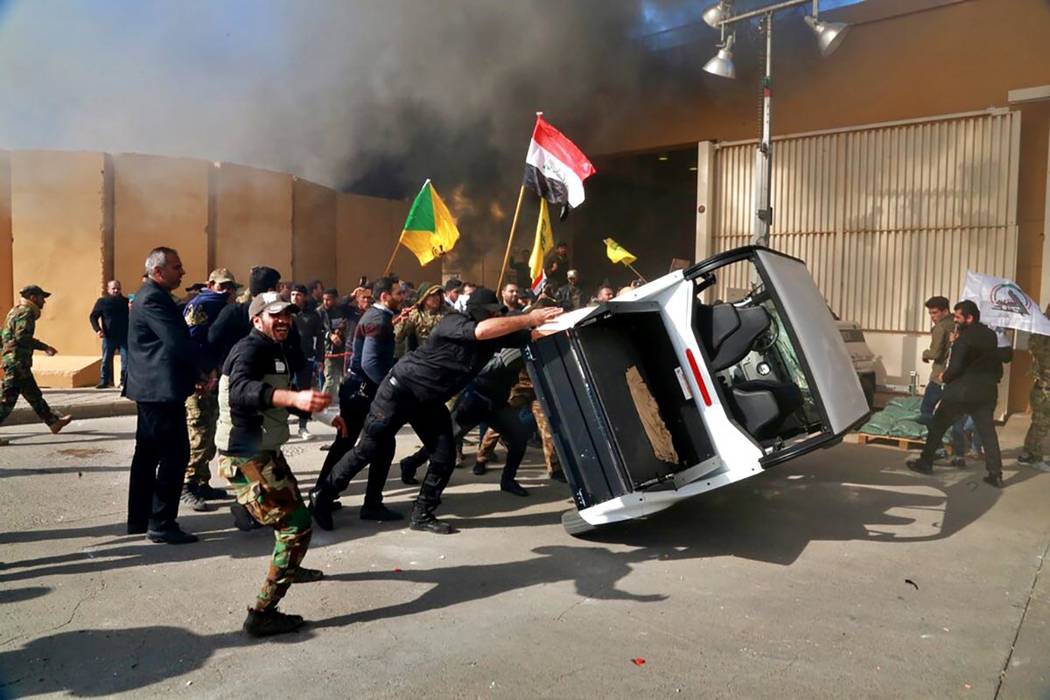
(699, 378)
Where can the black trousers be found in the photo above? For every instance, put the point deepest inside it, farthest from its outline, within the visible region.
(948, 412)
(471, 410)
(391, 409)
(162, 450)
(353, 412)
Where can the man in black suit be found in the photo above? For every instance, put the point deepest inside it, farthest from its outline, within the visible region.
(975, 366)
(162, 372)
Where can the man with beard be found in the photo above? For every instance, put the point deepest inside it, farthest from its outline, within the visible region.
(975, 367)
(415, 392)
(254, 399)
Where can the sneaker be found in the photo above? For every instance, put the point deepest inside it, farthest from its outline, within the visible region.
(426, 522)
(917, 465)
(380, 513)
(62, 422)
(479, 468)
(513, 487)
(171, 535)
(304, 575)
(321, 510)
(995, 480)
(242, 519)
(191, 498)
(209, 493)
(264, 623)
(304, 434)
(1029, 458)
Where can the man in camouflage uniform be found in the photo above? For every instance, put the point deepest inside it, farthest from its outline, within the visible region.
(1039, 401)
(202, 409)
(254, 399)
(18, 347)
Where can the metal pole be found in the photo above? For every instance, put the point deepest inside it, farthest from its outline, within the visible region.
(764, 155)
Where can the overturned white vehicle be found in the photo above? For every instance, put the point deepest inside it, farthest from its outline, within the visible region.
(668, 392)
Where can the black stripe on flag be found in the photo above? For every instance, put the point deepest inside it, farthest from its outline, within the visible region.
(553, 191)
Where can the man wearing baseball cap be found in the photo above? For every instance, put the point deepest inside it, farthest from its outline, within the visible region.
(202, 409)
(415, 392)
(18, 347)
(254, 401)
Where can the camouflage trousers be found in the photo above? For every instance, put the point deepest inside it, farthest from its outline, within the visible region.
(19, 380)
(1039, 430)
(550, 456)
(265, 486)
(334, 373)
(202, 416)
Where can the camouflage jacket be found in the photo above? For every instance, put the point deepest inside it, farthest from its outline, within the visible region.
(416, 328)
(1039, 349)
(17, 335)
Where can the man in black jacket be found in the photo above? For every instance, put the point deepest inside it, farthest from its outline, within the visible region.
(415, 392)
(975, 366)
(109, 320)
(162, 372)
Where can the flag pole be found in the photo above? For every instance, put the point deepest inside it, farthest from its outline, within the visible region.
(636, 271)
(510, 238)
(386, 270)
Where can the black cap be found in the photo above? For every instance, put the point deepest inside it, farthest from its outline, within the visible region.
(33, 290)
(484, 303)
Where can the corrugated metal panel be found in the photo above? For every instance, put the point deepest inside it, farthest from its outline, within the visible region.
(885, 217)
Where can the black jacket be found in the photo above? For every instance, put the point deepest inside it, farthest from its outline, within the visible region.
(233, 324)
(975, 366)
(248, 421)
(113, 311)
(162, 360)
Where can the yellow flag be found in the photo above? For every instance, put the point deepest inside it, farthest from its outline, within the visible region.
(430, 231)
(543, 245)
(618, 253)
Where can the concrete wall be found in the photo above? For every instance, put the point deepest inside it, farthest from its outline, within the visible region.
(6, 283)
(253, 215)
(314, 223)
(59, 222)
(159, 201)
(71, 221)
(368, 229)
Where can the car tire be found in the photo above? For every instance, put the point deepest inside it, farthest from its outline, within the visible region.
(575, 525)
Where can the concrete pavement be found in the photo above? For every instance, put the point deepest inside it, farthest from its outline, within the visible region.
(838, 574)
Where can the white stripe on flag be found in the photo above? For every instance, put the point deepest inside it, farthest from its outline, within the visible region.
(553, 169)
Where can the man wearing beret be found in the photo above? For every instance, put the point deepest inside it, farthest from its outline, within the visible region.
(18, 347)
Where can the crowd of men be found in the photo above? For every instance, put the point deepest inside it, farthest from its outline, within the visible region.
(220, 373)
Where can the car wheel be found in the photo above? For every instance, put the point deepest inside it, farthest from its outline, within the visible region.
(575, 525)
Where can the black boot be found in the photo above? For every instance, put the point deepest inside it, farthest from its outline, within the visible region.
(264, 623)
(918, 465)
(408, 471)
(995, 480)
(425, 521)
(512, 486)
(480, 468)
(321, 509)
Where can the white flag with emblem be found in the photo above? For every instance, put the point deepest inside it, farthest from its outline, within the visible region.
(1004, 304)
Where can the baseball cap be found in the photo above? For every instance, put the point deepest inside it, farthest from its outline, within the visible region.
(31, 290)
(270, 302)
(222, 275)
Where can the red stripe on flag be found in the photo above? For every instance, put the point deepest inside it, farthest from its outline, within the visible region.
(555, 143)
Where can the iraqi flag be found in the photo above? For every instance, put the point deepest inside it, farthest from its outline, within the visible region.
(554, 167)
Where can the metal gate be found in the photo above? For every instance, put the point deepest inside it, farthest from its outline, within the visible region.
(885, 215)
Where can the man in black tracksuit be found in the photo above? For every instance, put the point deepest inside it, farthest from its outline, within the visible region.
(415, 392)
(373, 356)
(975, 366)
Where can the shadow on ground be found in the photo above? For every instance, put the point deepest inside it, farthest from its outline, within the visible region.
(837, 495)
